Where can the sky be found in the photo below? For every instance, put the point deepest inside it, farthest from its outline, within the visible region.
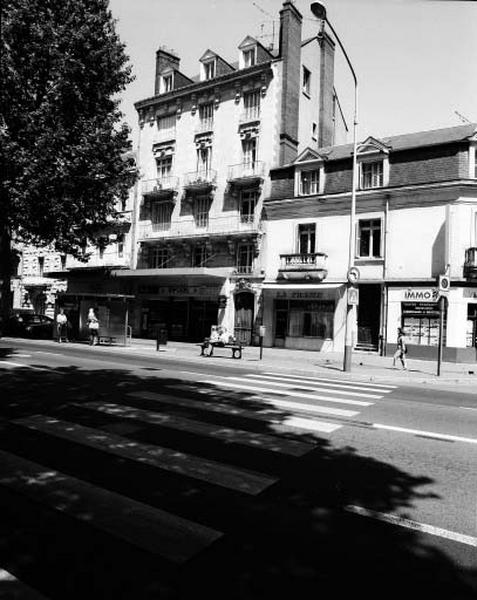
(415, 60)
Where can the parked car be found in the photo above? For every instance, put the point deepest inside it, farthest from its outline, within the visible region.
(29, 325)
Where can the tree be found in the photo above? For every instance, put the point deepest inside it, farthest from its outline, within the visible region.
(62, 143)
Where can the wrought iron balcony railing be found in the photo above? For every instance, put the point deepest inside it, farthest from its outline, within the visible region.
(160, 185)
(246, 171)
(200, 179)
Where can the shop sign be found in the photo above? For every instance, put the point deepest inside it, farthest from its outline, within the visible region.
(429, 309)
(300, 295)
(178, 291)
(470, 292)
(420, 295)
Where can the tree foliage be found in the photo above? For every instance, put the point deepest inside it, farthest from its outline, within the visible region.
(62, 144)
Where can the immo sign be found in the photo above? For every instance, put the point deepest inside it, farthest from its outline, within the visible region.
(421, 295)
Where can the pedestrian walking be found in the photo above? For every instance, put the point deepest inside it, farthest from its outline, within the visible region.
(401, 350)
(61, 326)
(93, 326)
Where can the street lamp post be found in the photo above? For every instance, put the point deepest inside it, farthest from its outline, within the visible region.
(319, 10)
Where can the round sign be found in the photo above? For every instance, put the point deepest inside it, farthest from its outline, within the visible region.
(353, 274)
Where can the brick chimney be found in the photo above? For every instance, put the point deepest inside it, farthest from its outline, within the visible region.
(290, 53)
(326, 126)
(164, 59)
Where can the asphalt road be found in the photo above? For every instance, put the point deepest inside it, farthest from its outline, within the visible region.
(132, 477)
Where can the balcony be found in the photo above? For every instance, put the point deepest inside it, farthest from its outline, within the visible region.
(188, 227)
(160, 187)
(470, 263)
(310, 267)
(247, 173)
(200, 180)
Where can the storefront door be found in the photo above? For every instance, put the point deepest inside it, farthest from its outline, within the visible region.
(369, 317)
(244, 302)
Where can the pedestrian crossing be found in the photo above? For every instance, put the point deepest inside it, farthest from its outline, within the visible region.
(145, 465)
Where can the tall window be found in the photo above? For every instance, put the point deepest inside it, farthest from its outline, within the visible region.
(306, 238)
(206, 115)
(204, 159)
(369, 238)
(249, 58)
(201, 211)
(371, 174)
(167, 83)
(164, 166)
(209, 69)
(120, 245)
(251, 104)
(158, 257)
(167, 126)
(161, 213)
(248, 202)
(309, 182)
(245, 256)
(306, 81)
(200, 256)
(41, 265)
(249, 148)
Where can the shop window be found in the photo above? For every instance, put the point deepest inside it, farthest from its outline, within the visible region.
(309, 182)
(471, 329)
(248, 202)
(311, 319)
(369, 238)
(420, 320)
(306, 238)
(371, 174)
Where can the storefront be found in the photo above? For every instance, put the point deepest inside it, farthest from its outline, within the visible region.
(306, 317)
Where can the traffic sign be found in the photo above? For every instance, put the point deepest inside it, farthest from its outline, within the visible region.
(353, 275)
(443, 284)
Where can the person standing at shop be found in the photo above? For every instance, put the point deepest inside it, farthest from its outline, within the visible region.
(93, 326)
(401, 350)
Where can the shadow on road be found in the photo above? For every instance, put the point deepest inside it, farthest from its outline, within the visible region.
(295, 539)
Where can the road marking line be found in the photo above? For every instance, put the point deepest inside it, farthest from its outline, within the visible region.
(468, 407)
(22, 355)
(46, 352)
(271, 380)
(410, 524)
(182, 463)
(15, 364)
(283, 393)
(229, 435)
(311, 424)
(429, 434)
(149, 528)
(17, 588)
(384, 386)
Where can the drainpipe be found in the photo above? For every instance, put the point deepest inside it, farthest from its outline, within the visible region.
(384, 325)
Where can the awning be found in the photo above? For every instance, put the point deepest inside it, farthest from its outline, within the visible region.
(177, 272)
(301, 286)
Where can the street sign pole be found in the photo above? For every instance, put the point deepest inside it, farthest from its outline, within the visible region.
(442, 302)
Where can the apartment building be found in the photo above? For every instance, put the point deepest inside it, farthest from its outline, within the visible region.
(206, 147)
(416, 218)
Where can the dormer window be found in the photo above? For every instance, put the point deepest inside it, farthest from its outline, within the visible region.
(249, 58)
(371, 175)
(209, 69)
(309, 182)
(167, 81)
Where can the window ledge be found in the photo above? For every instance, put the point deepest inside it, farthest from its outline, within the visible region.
(369, 260)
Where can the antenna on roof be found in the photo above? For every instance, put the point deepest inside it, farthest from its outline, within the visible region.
(263, 35)
(462, 118)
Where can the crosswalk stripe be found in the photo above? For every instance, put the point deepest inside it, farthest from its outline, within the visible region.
(311, 424)
(265, 414)
(210, 471)
(322, 384)
(283, 393)
(151, 529)
(272, 381)
(11, 587)
(382, 387)
(239, 436)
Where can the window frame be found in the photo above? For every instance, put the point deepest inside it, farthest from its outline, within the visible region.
(158, 257)
(248, 199)
(312, 165)
(306, 81)
(251, 105)
(167, 83)
(210, 69)
(372, 229)
(249, 52)
(245, 249)
(370, 163)
(316, 189)
(311, 235)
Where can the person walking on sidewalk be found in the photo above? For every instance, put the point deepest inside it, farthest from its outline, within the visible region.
(93, 326)
(61, 325)
(401, 349)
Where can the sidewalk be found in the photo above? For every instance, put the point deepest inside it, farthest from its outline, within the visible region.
(365, 366)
